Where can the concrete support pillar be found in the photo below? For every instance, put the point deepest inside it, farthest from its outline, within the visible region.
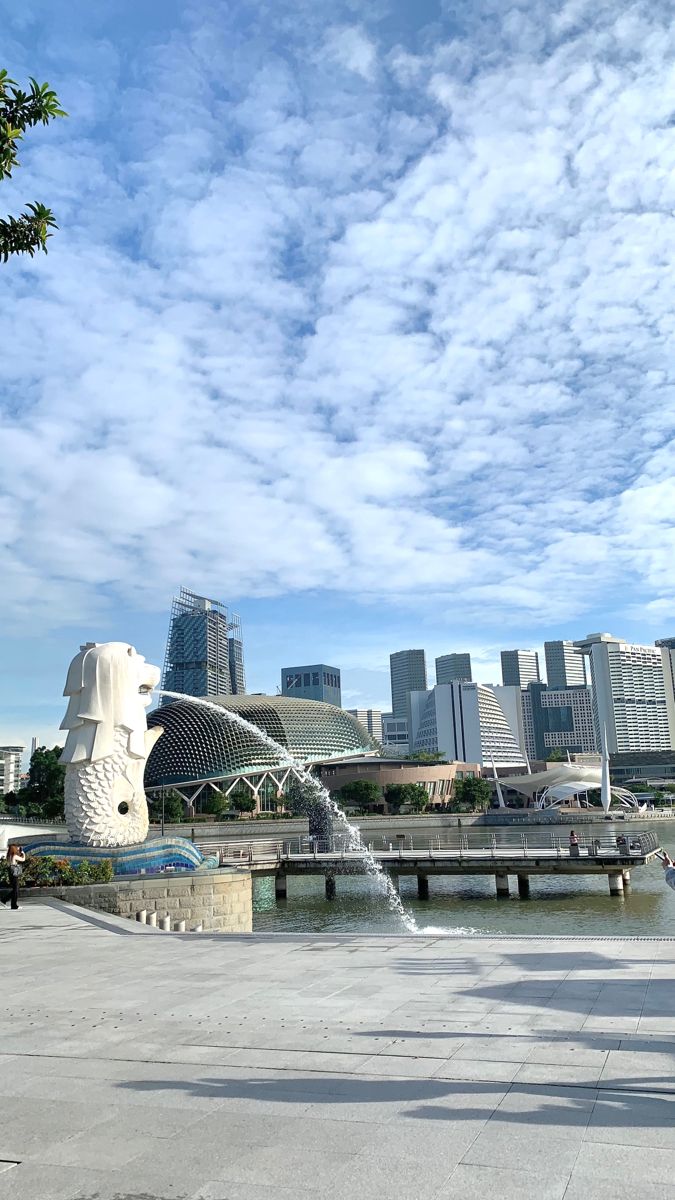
(179, 926)
(280, 887)
(151, 919)
(198, 928)
(626, 878)
(330, 887)
(142, 916)
(395, 883)
(423, 887)
(524, 886)
(502, 883)
(165, 924)
(616, 883)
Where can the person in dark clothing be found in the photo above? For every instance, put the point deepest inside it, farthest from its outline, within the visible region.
(15, 859)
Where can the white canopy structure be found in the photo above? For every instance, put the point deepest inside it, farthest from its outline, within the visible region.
(549, 789)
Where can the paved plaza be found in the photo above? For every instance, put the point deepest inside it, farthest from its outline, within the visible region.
(144, 1065)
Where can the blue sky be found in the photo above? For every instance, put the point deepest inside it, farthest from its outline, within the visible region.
(359, 317)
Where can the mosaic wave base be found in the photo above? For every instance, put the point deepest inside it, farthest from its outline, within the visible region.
(148, 857)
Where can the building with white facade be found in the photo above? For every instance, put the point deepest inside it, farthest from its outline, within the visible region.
(464, 722)
(565, 665)
(519, 667)
(629, 695)
(511, 702)
(10, 768)
(453, 668)
(370, 718)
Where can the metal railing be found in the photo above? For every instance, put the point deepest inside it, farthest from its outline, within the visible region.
(464, 846)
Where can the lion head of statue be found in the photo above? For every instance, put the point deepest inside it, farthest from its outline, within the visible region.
(109, 686)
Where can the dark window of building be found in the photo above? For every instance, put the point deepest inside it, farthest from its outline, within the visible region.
(306, 679)
(325, 678)
(289, 681)
(315, 678)
(298, 680)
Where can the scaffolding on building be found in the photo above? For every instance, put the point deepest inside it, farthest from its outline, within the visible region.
(204, 649)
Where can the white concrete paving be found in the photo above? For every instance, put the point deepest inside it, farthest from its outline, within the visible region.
(202, 1067)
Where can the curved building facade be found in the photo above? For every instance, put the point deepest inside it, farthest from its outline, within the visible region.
(201, 744)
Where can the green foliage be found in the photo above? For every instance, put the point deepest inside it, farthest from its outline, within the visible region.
(243, 800)
(54, 872)
(20, 111)
(556, 755)
(217, 804)
(425, 756)
(43, 795)
(471, 795)
(413, 795)
(362, 792)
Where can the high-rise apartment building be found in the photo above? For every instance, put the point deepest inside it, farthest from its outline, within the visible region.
(315, 682)
(408, 670)
(453, 668)
(10, 768)
(629, 695)
(565, 666)
(370, 718)
(465, 722)
(519, 667)
(667, 648)
(204, 650)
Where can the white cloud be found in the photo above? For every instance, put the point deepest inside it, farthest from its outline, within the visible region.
(352, 48)
(408, 337)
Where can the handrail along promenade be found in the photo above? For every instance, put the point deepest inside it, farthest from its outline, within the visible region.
(519, 854)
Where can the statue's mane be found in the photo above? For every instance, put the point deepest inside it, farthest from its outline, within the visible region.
(102, 686)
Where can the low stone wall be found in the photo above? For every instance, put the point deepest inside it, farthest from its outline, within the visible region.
(219, 900)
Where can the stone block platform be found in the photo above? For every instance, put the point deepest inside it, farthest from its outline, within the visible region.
(137, 1065)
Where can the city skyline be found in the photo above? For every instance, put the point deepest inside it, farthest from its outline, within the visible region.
(369, 341)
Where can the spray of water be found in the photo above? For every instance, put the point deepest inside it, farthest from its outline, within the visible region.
(320, 795)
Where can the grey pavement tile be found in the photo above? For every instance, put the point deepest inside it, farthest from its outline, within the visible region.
(223, 1190)
(499, 1144)
(620, 1162)
(98, 1149)
(401, 1065)
(375, 1177)
(286, 1165)
(496, 1049)
(584, 1187)
(572, 1054)
(472, 1182)
(547, 1073)
(481, 1069)
(563, 1111)
(33, 1181)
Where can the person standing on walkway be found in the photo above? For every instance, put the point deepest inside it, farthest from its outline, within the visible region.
(15, 859)
(669, 868)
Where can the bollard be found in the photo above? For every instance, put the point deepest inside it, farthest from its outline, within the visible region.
(142, 916)
(151, 919)
(198, 928)
(179, 927)
(165, 924)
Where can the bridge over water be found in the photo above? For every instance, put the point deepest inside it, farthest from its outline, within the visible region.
(511, 854)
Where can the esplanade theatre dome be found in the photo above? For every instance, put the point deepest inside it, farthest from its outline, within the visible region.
(200, 743)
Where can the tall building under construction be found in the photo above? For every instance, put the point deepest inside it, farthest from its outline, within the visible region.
(204, 649)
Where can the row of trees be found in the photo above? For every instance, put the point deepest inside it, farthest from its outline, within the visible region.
(468, 795)
(42, 795)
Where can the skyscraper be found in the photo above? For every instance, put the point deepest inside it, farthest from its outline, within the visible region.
(565, 666)
(453, 668)
(408, 669)
(204, 649)
(520, 667)
(558, 719)
(315, 682)
(629, 697)
(667, 648)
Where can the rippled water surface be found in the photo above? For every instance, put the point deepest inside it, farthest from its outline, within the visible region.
(556, 905)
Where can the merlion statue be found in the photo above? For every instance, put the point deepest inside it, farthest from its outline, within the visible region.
(109, 687)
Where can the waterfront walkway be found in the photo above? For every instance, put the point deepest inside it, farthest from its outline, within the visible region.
(138, 1065)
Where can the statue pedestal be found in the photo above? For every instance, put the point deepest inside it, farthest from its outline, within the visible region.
(155, 854)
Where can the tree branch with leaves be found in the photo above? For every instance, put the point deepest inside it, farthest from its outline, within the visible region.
(20, 111)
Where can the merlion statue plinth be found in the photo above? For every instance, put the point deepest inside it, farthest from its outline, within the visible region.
(109, 686)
